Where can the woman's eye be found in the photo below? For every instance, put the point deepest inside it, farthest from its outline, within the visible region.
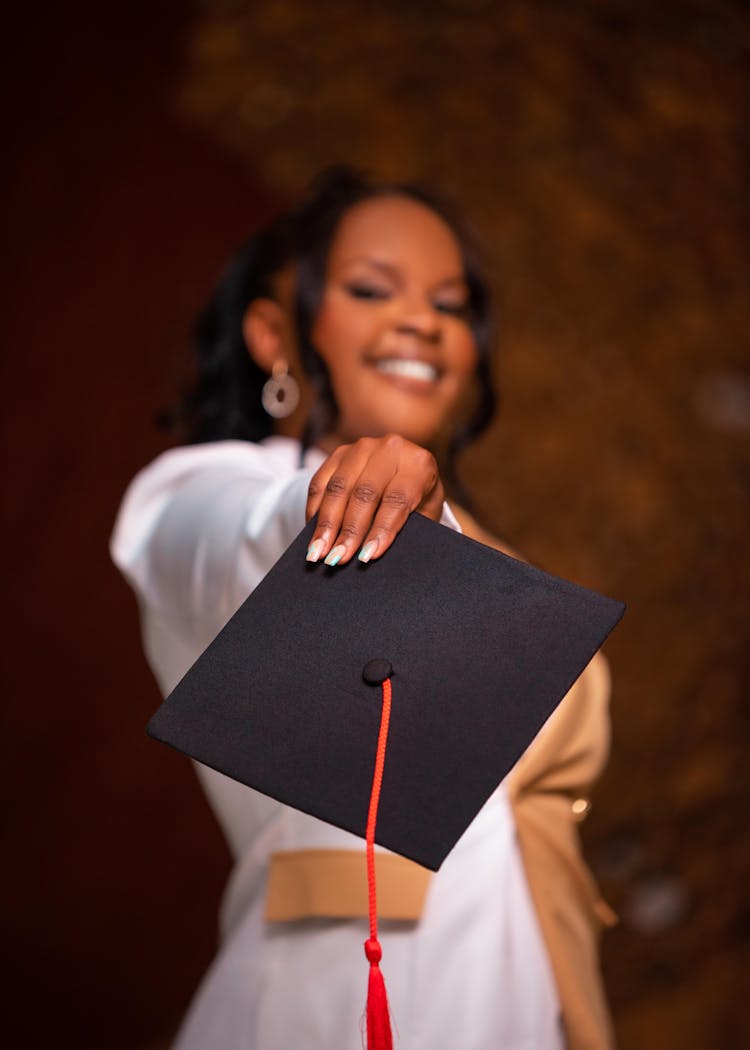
(366, 291)
(455, 309)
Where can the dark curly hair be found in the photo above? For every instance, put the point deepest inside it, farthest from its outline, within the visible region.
(225, 400)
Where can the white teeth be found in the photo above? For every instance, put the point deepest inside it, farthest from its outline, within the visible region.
(399, 366)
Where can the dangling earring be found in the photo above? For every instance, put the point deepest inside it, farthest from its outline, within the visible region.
(280, 394)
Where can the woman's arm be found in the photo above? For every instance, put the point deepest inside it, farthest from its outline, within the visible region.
(200, 527)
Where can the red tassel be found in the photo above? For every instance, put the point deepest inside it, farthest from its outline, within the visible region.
(378, 1018)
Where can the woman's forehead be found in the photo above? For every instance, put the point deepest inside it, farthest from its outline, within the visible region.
(400, 231)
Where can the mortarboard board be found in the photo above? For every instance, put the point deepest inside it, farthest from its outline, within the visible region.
(482, 648)
(479, 649)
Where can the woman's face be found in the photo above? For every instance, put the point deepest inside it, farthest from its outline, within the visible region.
(393, 323)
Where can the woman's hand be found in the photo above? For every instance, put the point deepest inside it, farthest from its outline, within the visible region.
(363, 494)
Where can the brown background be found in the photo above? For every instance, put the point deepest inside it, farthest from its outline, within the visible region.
(601, 149)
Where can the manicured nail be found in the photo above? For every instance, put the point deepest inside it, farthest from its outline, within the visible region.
(368, 550)
(336, 555)
(314, 550)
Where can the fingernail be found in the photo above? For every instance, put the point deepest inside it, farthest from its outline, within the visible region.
(336, 555)
(314, 550)
(368, 550)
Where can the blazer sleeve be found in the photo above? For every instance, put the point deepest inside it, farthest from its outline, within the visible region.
(200, 527)
(548, 791)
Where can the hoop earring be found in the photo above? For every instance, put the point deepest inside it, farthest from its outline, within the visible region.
(280, 394)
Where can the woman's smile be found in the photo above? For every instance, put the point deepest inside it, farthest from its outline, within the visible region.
(392, 328)
(415, 372)
(406, 365)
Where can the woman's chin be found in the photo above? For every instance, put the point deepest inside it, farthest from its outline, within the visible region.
(419, 432)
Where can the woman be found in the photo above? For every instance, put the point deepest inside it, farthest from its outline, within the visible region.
(360, 322)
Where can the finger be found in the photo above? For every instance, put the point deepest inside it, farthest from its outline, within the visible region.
(317, 487)
(362, 505)
(399, 500)
(340, 478)
(432, 504)
(416, 488)
(321, 540)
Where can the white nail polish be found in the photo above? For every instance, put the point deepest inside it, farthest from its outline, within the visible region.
(368, 550)
(313, 551)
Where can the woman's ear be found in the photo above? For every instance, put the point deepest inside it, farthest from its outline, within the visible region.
(263, 328)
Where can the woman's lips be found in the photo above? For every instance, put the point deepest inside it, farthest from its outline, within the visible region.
(407, 368)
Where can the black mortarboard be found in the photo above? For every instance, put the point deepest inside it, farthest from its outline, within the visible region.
(480, 647)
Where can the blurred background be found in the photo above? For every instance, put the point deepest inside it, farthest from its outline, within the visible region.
(600, 147)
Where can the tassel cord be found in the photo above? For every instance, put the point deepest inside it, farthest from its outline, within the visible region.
(378, 1020)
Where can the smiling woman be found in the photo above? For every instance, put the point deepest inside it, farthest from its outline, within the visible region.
(393, 325)
(386, 270)
(346, 356)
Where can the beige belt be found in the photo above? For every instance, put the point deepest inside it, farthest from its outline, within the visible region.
(332, 883)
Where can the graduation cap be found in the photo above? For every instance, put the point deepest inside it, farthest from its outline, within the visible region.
(391, 698)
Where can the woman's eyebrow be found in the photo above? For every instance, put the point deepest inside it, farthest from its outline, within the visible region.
(458, 280)
(393, 271)
(378, 264)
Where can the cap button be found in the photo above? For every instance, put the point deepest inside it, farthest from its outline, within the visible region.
(375, 672)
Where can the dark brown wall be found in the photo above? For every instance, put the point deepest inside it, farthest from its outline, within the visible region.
(605, 156)
(119, 220)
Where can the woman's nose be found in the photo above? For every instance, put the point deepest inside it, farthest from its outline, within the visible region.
(422, 321)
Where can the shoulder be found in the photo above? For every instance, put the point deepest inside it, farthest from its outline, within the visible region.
(470, 527)
(573, 745)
